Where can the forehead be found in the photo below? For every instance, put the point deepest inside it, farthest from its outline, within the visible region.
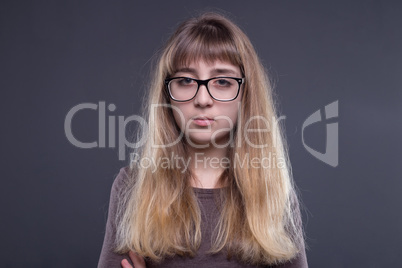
(184, 54)
(209, 67)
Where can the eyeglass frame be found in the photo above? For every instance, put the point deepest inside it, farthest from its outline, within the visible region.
(240, 81)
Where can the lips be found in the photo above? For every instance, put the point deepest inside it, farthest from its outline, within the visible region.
(202, 117)
(203, 120)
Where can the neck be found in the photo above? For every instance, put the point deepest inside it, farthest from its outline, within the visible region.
(207, 164)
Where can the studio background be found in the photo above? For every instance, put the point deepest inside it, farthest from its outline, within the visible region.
(55, 55)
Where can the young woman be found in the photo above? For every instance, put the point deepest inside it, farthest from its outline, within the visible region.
(212, 184)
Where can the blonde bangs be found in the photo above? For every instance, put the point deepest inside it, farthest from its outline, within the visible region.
(205, 42)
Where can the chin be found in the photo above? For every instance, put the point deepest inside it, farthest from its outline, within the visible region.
(199, 141)
(208, 141)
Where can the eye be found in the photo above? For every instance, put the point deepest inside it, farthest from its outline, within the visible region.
(185, 81)
(223, 82)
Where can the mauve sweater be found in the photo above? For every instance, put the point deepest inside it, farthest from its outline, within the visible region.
(209, 216)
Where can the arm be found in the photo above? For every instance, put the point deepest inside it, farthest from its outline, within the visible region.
(300, 261)
(108, 258)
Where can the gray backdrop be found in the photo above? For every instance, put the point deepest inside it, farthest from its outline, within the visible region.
(55, 55)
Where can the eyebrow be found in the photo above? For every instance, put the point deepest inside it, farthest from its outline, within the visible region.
(213, 71)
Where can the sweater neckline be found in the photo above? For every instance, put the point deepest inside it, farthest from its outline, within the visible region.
(207, 192)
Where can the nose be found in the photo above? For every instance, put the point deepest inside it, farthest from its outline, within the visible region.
(203, 98)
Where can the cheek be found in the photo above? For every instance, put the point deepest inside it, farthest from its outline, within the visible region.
(179, 116)
(232, 114)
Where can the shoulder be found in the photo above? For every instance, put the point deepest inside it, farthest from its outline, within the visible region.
(123, 176)
(119, 189)
(122, 180)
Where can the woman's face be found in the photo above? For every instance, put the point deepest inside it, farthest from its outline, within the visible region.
(203, 120)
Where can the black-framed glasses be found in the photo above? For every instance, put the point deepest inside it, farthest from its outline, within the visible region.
(219, 88)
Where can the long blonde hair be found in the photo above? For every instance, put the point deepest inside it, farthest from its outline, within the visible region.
(158, 213)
